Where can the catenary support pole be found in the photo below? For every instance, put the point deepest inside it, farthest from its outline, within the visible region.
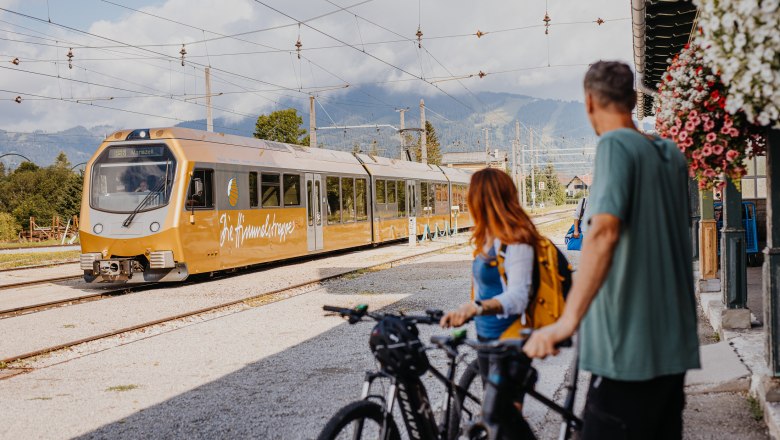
(533, 171)
(209, 113)
(423, 135)
(771, 274)
(312, 123)
(733, 261)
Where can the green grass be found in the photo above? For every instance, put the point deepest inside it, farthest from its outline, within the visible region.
(10, 261)
(27, 244)
(755, 408)
(122, 388)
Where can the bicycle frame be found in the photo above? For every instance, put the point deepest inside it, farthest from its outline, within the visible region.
(500, 392)
(414, 403)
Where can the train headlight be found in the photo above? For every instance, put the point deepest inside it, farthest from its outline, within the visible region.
(98, 228)
(154, 227)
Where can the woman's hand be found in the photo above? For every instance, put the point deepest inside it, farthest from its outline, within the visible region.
(465, 312)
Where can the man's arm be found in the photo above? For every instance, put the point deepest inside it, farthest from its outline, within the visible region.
(595, 262)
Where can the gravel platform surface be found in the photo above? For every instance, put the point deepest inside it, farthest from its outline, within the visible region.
(276, 371)
(62, 325)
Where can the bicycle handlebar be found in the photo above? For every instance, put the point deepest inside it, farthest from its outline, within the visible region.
(505, 345)
(355, 315)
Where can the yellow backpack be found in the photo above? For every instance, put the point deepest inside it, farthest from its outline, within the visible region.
(551, 283)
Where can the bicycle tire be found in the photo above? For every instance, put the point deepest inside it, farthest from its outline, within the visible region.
(466, 381)
(360, 410)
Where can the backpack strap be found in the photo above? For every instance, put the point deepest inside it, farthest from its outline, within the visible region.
(582, 211)
(500, 257)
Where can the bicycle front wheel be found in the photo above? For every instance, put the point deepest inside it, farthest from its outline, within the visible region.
(361, 420)
(466, 410)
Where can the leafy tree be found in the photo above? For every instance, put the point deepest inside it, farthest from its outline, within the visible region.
(62, 161)
(553, 192)
(282, 126)
(431, 146)
(41, 192)
(9, 227)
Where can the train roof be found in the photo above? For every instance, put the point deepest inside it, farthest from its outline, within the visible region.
(386, 167)
(457, 175)
(198, 145)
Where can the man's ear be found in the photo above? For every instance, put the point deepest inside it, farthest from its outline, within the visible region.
(589, 103)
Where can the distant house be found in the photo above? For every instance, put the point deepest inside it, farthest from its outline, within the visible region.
(577, 184)
(475, 160)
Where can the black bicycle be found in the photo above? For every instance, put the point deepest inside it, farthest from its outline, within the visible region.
(395, 343)
(510, 377)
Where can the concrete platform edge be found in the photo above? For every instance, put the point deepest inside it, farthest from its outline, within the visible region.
(750, 352)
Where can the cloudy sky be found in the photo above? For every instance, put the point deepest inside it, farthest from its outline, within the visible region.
(126, 67)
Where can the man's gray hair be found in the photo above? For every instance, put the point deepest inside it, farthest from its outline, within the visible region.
(612, 84)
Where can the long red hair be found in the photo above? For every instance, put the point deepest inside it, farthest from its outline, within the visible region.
(494, 207)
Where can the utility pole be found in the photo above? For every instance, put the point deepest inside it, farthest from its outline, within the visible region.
(312, 123)
(520, 177)
(533, 172)
(209, 114)
(423, 136)
(487, 146)
(401, 132)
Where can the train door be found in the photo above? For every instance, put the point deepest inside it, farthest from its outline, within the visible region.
(314, 211)
(411, 199)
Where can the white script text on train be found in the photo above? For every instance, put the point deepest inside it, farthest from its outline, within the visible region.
(238, 232)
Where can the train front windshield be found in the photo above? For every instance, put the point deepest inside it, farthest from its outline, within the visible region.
(132, 178)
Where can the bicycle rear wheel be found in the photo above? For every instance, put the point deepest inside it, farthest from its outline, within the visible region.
(466, 410)
(361, 420)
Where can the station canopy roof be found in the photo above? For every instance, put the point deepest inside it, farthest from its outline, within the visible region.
(668, 27)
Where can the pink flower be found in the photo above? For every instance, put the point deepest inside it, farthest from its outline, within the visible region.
(731, 155)
(683, 135)
(717, 149)
(709, 172)
(693, 114)
(711, 137)
(688, 142)
(727, 122)
(690, 126)
(705, 117)
(696, 154)
(706, 151)
(733, 132)
(725, 130)
(709, 124)
(696, 120)
(674, 130)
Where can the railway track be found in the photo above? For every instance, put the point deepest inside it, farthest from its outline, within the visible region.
(270, 294)
(9, 313)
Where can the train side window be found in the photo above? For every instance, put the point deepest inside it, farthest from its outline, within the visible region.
(360, 203)
(401, 198)
(292, 189)
(334, 202)
(391, 192)
(309, 198)
(270, 189)
(424, 196)
(380, 191)
(431, 196)
(205, 198)
(253, 189)
(348, 199)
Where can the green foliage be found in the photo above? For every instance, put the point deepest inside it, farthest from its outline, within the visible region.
(32, 191)
(553, 192)
(282, 126)
(9, 227)
(431, 146)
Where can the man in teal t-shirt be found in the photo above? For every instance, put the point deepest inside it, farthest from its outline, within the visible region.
(632, 297)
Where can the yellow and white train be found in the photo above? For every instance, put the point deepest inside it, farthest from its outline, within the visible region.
(164, 203)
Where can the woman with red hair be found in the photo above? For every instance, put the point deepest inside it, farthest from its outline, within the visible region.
(501, 228)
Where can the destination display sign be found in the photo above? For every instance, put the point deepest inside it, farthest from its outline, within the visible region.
(133, 152)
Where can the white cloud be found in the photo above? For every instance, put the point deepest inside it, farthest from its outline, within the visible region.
(568, 44)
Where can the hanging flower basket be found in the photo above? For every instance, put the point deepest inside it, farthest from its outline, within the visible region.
(742, 44)
(691, 110)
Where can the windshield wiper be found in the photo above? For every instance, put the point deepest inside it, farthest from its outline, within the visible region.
(157, 190)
